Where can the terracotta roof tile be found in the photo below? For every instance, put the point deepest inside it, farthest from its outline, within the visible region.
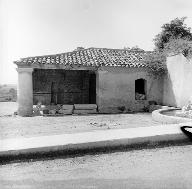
(91, 57)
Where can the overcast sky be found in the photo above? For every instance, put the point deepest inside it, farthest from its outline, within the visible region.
(40, 27)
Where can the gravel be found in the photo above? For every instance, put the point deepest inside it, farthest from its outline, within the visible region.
(16, 126)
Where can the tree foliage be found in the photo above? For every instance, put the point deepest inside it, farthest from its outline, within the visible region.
(177, 46)
(135, 48)
(12, 91)
(156, 62)
(174, 38)
(176, 29)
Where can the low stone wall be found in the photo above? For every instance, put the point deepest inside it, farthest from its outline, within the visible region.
(158, 115)
(59, 110)
(85, 109)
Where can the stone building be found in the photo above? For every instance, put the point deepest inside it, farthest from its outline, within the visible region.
(114, 79)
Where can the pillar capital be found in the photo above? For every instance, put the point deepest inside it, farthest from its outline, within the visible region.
(30, 70)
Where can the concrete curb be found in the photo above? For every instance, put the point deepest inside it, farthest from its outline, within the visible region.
(90, 142)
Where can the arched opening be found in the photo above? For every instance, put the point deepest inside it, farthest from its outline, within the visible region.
(140, 89)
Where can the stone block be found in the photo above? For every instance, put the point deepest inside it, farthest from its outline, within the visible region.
(67, 107)
(52, 107)
(52, 112)
(65, 112)
(85, 106)
(93, 111)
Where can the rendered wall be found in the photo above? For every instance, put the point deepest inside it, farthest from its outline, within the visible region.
(178, 82)
(116, 88)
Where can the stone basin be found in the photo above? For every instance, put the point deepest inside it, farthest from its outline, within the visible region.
(170, 116)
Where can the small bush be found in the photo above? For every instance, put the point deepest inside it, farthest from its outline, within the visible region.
(121, 108)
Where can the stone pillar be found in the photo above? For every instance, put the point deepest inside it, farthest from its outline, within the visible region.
(99, 88)
(25, 92)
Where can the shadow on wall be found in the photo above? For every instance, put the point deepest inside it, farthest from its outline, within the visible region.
(168, 93)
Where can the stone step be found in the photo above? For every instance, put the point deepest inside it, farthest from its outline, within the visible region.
(85, 106)
(93, 111)
(66, 111)
(67, 107)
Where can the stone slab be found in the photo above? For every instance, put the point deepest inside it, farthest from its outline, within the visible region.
(92, 111)
(65, 111)
(67, 107)
(85, 106)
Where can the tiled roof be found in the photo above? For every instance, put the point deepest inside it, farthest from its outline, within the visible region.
(91, 57)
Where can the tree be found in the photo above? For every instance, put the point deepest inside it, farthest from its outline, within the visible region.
(135, 48)
(156, 62)
(173, 30)
(177, 46)
(12, 94)
(79, 48)
(12, 91)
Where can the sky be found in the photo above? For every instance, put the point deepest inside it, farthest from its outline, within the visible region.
(43, 27)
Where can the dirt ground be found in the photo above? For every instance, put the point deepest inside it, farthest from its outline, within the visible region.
(161, 168)
(16, 126)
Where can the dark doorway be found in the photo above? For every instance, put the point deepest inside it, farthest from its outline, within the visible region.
(53, 93)
(140, 89)
(92, 88)
(57, 86)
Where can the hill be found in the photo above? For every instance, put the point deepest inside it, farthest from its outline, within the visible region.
(8, 92)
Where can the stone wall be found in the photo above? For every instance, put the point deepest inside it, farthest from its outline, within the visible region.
(60, 86)
(177, 83)
(116, 88)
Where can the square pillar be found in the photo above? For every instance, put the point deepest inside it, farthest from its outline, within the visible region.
(25, 92)
(99, 89)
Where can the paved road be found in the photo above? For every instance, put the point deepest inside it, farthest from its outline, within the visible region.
(169, 167)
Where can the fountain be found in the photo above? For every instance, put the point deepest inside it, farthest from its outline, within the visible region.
(186, 111)
(174, 115)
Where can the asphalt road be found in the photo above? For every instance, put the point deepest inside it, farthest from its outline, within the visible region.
(169, 167)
